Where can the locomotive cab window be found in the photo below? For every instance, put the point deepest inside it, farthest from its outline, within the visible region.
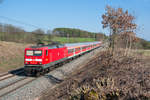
(29, 52)
(37, 53)
(34, 53)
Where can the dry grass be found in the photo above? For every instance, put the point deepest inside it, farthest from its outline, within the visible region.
(115, 77)
(11, 55)
(145, 53)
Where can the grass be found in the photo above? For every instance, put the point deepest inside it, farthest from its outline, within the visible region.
(14, 63)
(71, 39)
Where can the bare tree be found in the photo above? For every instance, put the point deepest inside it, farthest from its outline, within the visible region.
(39, 35)
(118, 22)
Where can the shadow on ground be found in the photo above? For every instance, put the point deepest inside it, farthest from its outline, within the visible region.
(53, 79)
(18, 72)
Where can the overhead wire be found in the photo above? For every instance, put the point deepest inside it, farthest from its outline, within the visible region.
(20, 22)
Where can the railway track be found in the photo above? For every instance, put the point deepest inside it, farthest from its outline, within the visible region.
(10, 74)
(12, 83)
(5, 90)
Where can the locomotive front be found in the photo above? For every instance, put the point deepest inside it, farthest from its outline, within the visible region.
(33, 57)
(33, 60)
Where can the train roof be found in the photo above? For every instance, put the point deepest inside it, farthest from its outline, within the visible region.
(69, 45)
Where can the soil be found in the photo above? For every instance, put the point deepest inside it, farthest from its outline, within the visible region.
(130, 76)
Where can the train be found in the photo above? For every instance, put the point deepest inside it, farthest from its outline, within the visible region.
(41, 58)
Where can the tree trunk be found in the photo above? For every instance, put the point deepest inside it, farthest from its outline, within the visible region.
(130, 44)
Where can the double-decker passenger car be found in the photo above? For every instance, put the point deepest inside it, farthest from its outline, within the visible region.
(39, 59)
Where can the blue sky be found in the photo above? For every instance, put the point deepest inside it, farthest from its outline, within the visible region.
(82, 14)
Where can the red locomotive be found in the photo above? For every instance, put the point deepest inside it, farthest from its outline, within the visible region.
(39, 59)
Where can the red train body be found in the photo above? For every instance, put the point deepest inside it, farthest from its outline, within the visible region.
(42, 58)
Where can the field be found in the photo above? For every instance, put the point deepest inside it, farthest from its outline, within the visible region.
(143, 52)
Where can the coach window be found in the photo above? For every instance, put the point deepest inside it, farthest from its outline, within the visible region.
(77, 49)
(70, 51)
(84, 47)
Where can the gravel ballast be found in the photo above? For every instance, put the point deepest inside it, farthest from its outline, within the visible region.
(34, 89)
